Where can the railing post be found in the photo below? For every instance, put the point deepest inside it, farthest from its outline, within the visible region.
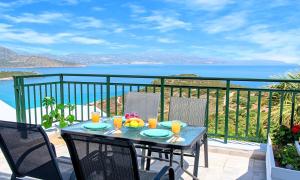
(227, 110)
(293, 110)
(20, 99)
(107, 96)
(17, 98)
(62, 97)
(162, 98)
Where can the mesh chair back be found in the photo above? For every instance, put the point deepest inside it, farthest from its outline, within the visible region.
(145, 104)
(189, 110)
(28, 151)
(102, 159)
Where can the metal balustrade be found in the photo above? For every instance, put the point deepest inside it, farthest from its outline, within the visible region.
(233, 111)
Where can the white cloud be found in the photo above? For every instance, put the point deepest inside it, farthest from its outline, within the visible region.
(226, 23)
(269, 38)
(136, 9)
(272, 44)
(164, 22)
(4, 27)
(43, 18)
(119, 30)
(208, 5)
(15, 3)
(2, 4)
(87, 22)
(29, 36)
(97, 8)
(121, 46)
(166, 40)
(87, 41)
(71, 2)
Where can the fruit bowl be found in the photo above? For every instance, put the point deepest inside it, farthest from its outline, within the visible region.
(134, 123)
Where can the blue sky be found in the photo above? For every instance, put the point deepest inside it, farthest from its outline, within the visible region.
(222, 29)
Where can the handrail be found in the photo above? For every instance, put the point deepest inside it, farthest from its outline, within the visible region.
(167, 77)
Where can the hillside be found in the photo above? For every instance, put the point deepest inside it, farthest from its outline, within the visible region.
(7, 75)
(11, 59)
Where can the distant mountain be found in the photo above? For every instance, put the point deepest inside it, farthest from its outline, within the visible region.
(9, 58)
(142, 58)
(155, 58)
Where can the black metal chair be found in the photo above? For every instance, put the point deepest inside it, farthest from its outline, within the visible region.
(28, 152)
(99, 158)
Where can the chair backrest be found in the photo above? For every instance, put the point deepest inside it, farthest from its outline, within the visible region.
(145, 104)
(98, 158)
(189, 110)
(27, 150)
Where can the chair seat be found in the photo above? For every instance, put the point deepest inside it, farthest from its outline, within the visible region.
(66, 168)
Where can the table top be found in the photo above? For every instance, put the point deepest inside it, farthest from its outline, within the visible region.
(191, 134)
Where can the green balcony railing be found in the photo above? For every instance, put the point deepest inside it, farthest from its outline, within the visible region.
(234, 111)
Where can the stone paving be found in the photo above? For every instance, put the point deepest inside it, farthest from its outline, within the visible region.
(224, 163)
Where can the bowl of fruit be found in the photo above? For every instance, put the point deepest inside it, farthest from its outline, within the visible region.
(134, 123)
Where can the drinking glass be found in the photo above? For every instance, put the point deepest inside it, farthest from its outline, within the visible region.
(118, 122)
(176, 126)
(152, 123)
(95, 117)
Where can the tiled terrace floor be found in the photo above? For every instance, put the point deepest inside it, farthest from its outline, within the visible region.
(224, 163)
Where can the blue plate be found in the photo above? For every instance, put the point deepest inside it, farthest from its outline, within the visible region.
(96, 126)
(156, 133)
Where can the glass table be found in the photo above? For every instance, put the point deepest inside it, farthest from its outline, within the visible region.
(193, 136)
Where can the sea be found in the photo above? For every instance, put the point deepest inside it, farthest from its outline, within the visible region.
(223, 71)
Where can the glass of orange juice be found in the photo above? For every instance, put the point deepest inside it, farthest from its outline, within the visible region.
(118, 122)
(152, 123)
(176, 126)
(95, 117)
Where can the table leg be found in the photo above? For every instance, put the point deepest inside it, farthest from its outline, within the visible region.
(196, 162)
(205, 150)
(181, 158)
(148, 159)
(143, 159)
(171, 157)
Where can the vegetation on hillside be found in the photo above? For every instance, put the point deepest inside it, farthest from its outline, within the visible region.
(246, 121)
(9, 74)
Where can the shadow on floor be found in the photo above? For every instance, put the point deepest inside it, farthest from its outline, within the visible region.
(256, 168)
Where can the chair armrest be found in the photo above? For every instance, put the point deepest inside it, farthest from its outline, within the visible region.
(53, 148)
(164, 171)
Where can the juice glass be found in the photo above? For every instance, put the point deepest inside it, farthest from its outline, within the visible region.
(176, 128)
(95, 117)
(118, 122)
(152, 123)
